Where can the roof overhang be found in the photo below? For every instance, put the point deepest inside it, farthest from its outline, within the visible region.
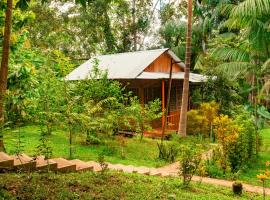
(194, 78)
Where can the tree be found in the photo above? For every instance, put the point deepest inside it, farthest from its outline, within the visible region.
(183, 114)
(4, 65)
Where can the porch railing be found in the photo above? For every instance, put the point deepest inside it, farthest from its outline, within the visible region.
(173, 120)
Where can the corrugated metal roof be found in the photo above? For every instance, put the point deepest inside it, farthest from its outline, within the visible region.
(120, 66)
(194, 78)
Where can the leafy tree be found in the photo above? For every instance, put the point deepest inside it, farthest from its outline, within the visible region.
(5, 57)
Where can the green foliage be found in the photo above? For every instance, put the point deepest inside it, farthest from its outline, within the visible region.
(89, 185)
(141, 116)
(102, 163)
(189, 163)
(45, 147)
(200, 121)
(237, 143)
(222, 90)
(168, 152)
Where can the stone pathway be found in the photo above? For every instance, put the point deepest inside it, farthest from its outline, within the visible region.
(172, 170)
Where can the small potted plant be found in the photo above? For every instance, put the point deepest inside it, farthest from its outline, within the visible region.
(237, 187)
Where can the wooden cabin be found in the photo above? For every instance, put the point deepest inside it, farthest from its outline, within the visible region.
(146, 74)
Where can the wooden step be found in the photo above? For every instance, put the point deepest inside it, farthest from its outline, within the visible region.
(6, 161)
(64, 165)
(23, 162)
(81, 165)
(96, 166)
(43, 164)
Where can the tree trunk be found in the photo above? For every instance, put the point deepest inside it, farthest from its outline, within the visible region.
(134, 25)
(4, 66)
(182, 130)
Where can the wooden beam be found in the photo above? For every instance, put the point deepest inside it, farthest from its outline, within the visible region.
(164, 124)
(163, 101)
(141, 95)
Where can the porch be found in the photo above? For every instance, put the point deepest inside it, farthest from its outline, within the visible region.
(149, 90)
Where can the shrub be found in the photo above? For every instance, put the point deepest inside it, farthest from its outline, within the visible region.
(189, 163)
(237, 188)
(102, 163)
(168, 152)
(227, 133)
(196, 123)
(91, 139)
(200, 121)
(236, 139)
(110, 148)
(264, 176)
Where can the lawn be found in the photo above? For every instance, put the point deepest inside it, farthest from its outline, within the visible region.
(249, 175)
(112, 185)
(135, 152)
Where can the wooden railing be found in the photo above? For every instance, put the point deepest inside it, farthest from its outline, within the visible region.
(173, 120)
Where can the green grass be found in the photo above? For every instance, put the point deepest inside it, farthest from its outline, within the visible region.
(249, 176)
(136, 152)
(109, 186)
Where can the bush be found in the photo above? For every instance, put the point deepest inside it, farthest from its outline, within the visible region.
(237, 143)
(168, 152)
(94, 140)
(237, 188)
(110, 148)
(189, 163)
(200, 121)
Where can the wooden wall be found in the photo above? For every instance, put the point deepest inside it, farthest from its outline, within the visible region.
(162, 64)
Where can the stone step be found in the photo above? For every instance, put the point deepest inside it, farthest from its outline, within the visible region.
(116, 167)
(143, 170)
(43, 164)
(155, 172)
(6, 161)
(64, 165)
(81, 165)
(24, 162)
(123, 168)
(96, 166)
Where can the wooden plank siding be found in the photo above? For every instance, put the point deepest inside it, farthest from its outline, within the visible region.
(162, 64)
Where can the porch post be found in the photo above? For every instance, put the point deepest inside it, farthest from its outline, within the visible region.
(163, 101)
(141, 95)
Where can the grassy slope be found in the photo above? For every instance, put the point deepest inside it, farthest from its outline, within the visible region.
(136, 152)
(111, 186)
(250, 175)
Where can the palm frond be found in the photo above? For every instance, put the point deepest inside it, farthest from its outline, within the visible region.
(235, 69)
(253, 8)
(231, 54)
(266, 66)
(225, 8)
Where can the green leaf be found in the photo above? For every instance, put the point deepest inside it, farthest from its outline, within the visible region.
(263, 112)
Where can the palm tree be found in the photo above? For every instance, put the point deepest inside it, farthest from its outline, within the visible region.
(250, 57)
(182, 130)
(4, 66)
